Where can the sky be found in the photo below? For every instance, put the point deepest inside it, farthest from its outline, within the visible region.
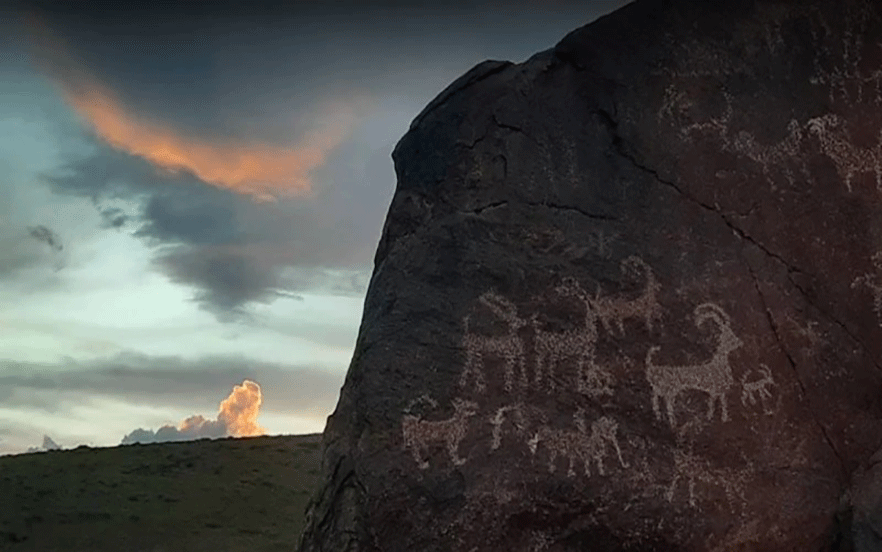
(191, 194)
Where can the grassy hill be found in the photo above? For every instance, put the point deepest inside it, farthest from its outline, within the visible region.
(209, 495)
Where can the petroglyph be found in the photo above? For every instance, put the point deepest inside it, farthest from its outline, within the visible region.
(774, 157)
(419, 435)
(848, 77)
(578, 342)
(713, 377)
(519, 421)
(579, 445)
(758, 390)
(691, 469)
(874, 283)
(850, 160)
(509, 346)
(616, 309)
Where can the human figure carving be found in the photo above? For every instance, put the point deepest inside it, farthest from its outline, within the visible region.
(713, 377)
(579, 342)
(420, 434)
(645, 307)
(520, 422)
(579, 445)
(509, 346)
(836, 143)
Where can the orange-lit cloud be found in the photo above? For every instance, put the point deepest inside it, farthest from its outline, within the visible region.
(239, 411)
(263, 170)
(237, 417)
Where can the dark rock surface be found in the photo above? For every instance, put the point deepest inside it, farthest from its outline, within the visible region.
(629, 297)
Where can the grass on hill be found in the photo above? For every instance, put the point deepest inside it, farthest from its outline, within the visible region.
(209, 495)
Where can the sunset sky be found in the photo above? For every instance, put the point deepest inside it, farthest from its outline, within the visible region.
(191, 196)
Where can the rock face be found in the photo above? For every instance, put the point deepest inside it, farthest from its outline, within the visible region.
(629, 297)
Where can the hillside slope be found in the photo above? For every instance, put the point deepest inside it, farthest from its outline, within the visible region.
(208, 495)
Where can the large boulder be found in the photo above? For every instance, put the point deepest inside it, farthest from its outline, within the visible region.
(629, 297)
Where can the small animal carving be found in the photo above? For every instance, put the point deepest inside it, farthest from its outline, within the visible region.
(579, 445)
(713, 377)
(419, 435)
(751, 391)
(509, 346)
(615, 310)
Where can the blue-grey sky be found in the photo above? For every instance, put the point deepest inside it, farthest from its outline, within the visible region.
(191, 194)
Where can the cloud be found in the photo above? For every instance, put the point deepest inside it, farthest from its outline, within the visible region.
(261, 169)
(237, 417)
(48, 444)
(204, 116)
(239, 411)
(164, 382)
(229, 249)
(44, 234)
(24, 247)
(113, 217)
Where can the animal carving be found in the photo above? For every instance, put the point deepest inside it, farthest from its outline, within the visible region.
(579, 342)
(850, 159)
(751, 391)
(419, 435)
(713, 377)
(615, 310)
(690, 468)
(579, 445)
(508, 346)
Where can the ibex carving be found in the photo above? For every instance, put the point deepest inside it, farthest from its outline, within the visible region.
(713, 377)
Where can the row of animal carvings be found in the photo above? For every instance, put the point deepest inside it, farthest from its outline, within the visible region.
(581, 448)
(581, 445)
(553, 347)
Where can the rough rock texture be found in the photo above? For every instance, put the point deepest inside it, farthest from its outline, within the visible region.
(629, 297)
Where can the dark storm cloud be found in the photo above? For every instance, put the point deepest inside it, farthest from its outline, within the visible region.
(167, 381)
(209, 80)
(231, 249)
(226, 65)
